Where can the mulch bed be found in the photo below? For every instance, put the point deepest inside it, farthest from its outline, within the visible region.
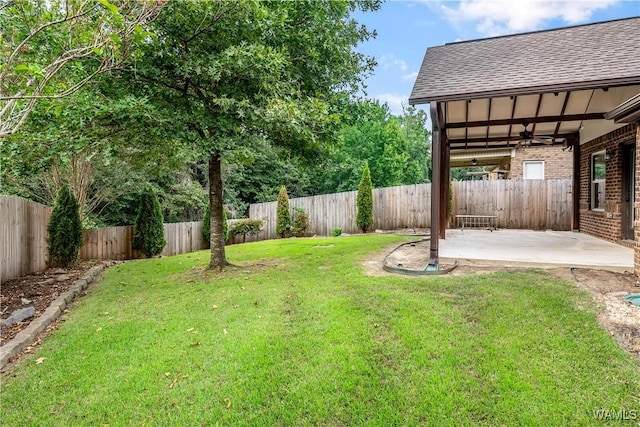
(37, 290)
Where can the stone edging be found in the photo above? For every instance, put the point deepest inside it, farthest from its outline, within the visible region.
(29, 334)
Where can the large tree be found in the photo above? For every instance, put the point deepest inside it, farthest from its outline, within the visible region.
(228, 74)
(49, 49)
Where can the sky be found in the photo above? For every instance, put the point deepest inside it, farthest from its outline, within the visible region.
(406, 28)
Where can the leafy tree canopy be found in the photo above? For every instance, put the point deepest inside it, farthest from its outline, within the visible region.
(51, 48)
(395, 147)
(229, 74)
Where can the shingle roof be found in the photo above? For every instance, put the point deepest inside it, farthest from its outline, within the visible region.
(586, 56)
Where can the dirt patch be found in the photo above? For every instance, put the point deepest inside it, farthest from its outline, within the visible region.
(618, 317)
(37, 290)
(205, 274)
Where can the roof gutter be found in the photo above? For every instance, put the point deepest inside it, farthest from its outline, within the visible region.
(534, 90)
(627, 112)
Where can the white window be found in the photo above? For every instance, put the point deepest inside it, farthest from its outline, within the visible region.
(598, 174)
(533, 169)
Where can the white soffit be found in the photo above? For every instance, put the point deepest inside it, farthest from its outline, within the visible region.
(525, 107)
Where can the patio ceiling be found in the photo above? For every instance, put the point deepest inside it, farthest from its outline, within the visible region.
(481, 157)
(497, 122)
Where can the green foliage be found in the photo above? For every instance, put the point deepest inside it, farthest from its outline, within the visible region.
(460, 174)
(300, 222)
(148, 230)
(86, 142)
(52, 48)
(395, 147)
(64, 230)
(364, 219)
(283, 217)
(245, 227)
(256, 177)
(336, 232)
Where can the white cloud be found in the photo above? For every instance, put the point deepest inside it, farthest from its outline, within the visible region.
(394, 101)
(497, 17)
(410, 76)
(388, 61)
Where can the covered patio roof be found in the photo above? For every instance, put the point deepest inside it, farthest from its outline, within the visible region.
(559, 82)
(569, 85)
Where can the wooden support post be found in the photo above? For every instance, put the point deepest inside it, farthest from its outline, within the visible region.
(436, 176)
(444, 181)
(575, 143)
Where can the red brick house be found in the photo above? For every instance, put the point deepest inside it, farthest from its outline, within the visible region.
(575, 87)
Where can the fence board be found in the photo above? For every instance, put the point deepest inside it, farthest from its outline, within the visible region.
(115, 242)
(23, 236)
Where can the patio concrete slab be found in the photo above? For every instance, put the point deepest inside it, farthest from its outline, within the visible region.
(525, 248)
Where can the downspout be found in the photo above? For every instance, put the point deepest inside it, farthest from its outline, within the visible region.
(434, 262)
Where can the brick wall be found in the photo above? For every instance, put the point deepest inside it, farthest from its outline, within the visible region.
(606, 224)
(558, 164)
(636, 205)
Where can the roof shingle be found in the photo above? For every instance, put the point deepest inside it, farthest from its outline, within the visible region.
(586, 56)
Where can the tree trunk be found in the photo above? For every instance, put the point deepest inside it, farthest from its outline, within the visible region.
(218, 257)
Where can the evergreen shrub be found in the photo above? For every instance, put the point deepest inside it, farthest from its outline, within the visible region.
(283, 217)
(364, 201)
(148, 230)
(64, 230)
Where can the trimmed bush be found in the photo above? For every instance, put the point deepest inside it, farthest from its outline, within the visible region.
(206, 225)
(245, 226)
(336, 232)
(148, 230)
(364, 219)
(300, 222)
(283, 217)
(64, 230)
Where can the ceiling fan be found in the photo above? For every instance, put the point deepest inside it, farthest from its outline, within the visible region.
(527, 137)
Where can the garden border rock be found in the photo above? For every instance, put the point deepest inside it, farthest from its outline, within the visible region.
(29, 334)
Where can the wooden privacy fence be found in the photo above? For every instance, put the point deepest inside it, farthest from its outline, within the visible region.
(530, 204)
(23, 236)
(537, 204)
(115, 242)
(393, 207)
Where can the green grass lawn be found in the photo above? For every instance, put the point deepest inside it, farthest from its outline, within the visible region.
(301, 336)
